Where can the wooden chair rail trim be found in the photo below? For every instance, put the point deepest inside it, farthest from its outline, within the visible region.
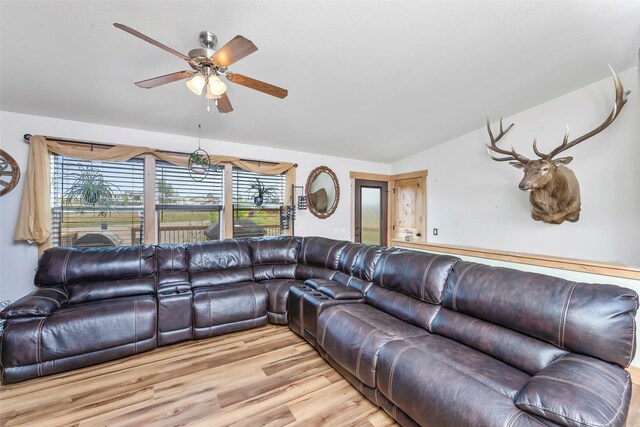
(531, 259)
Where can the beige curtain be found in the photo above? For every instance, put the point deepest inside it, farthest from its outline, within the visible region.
(34, 220)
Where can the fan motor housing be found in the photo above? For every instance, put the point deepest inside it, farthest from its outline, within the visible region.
(201, 55)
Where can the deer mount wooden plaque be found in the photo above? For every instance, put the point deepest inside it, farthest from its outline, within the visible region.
(553, 187)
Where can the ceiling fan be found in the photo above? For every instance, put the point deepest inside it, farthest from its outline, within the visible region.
(208, 64)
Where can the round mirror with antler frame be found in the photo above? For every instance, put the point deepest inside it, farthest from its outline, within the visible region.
(323, 192)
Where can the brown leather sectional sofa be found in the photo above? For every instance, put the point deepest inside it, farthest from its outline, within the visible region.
(433, 340)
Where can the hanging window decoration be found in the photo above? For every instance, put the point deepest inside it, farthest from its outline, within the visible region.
(200, 162)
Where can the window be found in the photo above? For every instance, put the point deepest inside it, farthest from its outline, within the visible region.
(252, 216)
(187, 210)
(103, 203)
(96, 203)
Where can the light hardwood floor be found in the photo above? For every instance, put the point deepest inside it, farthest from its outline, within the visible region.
(267, 376)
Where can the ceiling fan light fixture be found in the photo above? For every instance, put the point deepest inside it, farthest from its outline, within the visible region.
(196, 84)
(210, 94)
(216, 86)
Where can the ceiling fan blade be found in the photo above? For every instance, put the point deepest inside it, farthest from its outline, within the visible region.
(236, 49)
(224, 105)
(263, 87)
(150, 40)
(163, 80)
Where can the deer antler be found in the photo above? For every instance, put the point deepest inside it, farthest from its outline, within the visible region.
(512, 155)
(621, 99)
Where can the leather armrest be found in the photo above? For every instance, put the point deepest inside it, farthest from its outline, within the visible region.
(577, 390)
(333, 289)
(41, 302)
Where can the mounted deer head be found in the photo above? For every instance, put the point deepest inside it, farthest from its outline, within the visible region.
(555, 193)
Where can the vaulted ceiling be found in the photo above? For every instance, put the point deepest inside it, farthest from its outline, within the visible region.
(370, 80)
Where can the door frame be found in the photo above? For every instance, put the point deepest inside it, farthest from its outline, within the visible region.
(384, 209)
(390, 179)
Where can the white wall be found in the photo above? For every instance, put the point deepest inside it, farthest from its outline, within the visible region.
(475, 201)
(18, 260)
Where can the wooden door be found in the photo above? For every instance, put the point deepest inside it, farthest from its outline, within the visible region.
(409, 209)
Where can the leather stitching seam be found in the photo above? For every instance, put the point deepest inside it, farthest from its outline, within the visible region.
(633, 335)
(454, 293)
(565, 310)
(326, 259)
(326, 323)
(424, 277)
(60, 291)
(135, 327)
(393, 370)
(513, 417)
(64, 268)
(366, 338)
(39, 346)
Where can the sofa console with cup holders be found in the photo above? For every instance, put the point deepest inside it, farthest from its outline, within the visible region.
(431, 339)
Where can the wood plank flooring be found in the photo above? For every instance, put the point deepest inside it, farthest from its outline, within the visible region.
(261, 377)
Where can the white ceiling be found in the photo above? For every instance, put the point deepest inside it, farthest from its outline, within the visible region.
(369, 80)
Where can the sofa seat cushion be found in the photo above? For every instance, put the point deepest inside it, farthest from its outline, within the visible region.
(80, 329)
(333, 289)
(438, 381)
(278, 290)
(352, 335)
(229, 307)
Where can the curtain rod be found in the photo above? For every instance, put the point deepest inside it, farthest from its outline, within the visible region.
(27, 139)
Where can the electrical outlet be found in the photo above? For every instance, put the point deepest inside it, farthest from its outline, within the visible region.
(435, 231)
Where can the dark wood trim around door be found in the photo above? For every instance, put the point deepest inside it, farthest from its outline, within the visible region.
(384, 211)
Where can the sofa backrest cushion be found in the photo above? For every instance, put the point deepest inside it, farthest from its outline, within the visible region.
(91, 274)
(521, 351)
(419, 275)
(173, 275)
(349, 256)
(321, 252)
(404, 307)
(366, 262)
(219, 262)
(352, 282)
(275, 250)
(592, 319)
(274, 257)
